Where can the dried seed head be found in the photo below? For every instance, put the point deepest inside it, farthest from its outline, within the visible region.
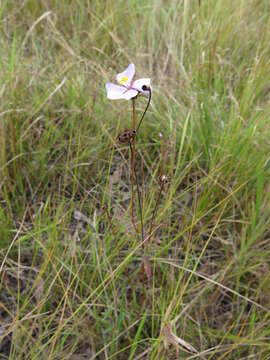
(126, 136)
(164, 179)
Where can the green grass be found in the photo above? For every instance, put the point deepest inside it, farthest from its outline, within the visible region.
(71, 287)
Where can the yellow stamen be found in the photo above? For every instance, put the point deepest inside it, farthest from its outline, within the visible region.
(123, 80)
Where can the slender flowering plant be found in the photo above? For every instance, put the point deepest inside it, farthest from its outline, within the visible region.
(130, 89)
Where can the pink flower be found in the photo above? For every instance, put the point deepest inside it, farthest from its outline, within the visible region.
(128, 88)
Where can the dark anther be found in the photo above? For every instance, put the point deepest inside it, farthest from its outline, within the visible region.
(144, 87)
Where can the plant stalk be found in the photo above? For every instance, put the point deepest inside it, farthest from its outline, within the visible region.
(132, 148)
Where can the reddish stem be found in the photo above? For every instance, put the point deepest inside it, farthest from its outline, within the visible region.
(133, 168)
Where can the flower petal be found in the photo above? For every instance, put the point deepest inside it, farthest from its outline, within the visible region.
(129, 94)
(114, 92)
(117, 92)
(140, 83)
(125, 77)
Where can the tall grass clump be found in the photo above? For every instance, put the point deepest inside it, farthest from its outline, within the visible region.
(76, 281)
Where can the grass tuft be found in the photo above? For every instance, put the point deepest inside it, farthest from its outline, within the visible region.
(70, 263)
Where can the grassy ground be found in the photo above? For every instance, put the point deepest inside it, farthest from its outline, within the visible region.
(70, 277)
